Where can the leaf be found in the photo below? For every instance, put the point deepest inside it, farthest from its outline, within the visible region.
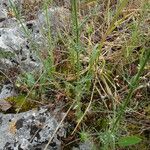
(30, 79)
(128, 141)
(94, 55)
(4, 105)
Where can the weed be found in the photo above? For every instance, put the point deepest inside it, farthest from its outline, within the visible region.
(101, 66)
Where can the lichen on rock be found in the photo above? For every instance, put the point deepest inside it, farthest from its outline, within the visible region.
(29, 130)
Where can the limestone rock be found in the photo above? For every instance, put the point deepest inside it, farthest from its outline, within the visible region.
(29, 130)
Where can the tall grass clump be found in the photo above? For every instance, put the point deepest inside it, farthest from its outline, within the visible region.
(106, 57)
(50, 60)
(76, 47)
(110, 137)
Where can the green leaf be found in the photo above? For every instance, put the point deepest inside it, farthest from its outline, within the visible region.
(30, 79)
(94, 55)
(128, 141)
(84, 136)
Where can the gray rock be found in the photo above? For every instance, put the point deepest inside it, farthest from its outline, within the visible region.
(59, 20)
(9, 23)
(3, 14)
(24, 41)
(29, 130)
(7, 91)
(15, 50)
(87, 145)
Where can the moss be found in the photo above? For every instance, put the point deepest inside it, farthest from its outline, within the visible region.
(21, 103)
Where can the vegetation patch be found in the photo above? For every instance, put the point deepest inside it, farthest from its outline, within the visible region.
(97, 69)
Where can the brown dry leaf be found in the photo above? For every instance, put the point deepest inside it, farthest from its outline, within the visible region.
(60, 96)
(12, 127)
(11, 14)
(4, 105)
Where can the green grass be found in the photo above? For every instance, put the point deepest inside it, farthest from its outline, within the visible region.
(105, 59)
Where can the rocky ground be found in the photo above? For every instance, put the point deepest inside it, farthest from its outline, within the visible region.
(41, 124)
(32, 129)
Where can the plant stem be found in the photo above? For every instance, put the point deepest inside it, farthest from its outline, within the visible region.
(133, 85)
(76, 32)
